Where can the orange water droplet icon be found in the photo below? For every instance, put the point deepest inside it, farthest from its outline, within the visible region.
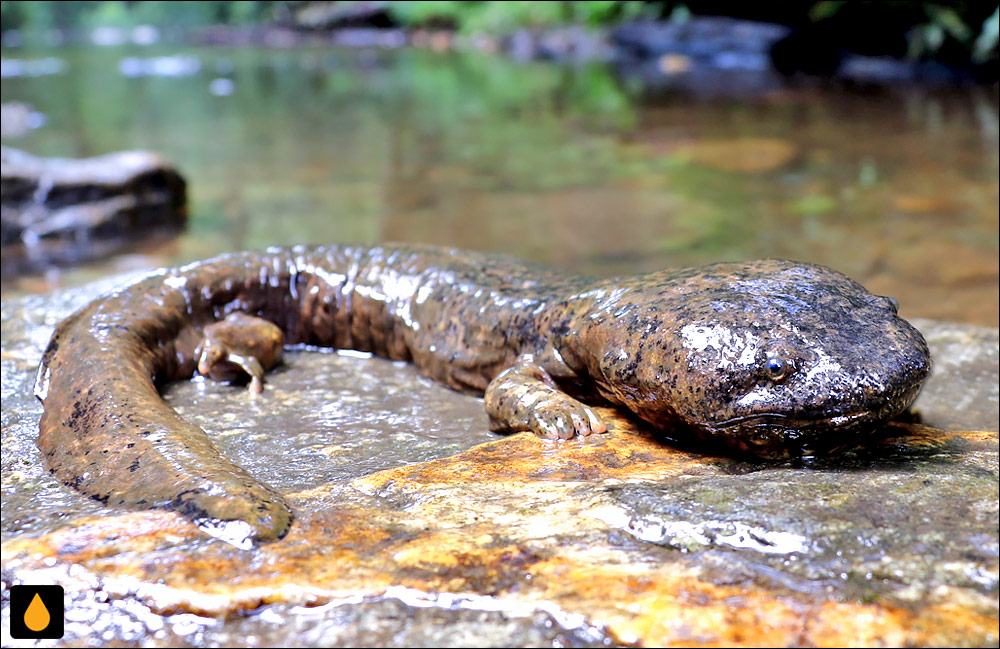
(37, 616)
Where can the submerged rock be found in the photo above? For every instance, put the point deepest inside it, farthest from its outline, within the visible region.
(749, 155)
(714, 41)
(416, 526)
(63, 211)
(338, 15)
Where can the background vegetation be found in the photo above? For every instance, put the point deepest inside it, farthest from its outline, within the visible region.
(950, 30)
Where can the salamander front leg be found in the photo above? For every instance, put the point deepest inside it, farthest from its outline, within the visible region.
(524, 397)
(238, 346)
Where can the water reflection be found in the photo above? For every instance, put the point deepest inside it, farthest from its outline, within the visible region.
(566, 165)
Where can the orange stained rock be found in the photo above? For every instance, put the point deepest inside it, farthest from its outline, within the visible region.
(920, 436)
(450, 526)
(650, 605)
(626, 453)
(666, 606)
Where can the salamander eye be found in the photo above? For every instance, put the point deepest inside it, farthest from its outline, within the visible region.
(777, 368)
(884, 301)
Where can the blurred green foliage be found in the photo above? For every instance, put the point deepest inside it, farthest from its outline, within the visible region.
(928, 26)
(497, 17)
(986, 43)
(42, 15)
(931, 28)
(945, 22)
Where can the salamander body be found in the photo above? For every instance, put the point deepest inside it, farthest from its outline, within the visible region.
(771, 358)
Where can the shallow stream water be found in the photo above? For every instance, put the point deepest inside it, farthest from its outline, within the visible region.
(898, 187)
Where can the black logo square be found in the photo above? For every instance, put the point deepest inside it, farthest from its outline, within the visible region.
(36, 612)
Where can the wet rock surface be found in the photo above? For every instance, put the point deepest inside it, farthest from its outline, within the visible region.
(416, 526)
(63, 211)
(964, 392)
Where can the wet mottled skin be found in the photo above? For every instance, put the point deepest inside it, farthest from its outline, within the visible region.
(773, 358)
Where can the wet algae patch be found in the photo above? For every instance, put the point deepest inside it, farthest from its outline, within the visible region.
(415, 526)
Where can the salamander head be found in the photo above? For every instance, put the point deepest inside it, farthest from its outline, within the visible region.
(773, 358)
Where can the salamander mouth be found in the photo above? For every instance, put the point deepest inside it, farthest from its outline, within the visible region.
(772, 435)
(778, 435)
(790, 422)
